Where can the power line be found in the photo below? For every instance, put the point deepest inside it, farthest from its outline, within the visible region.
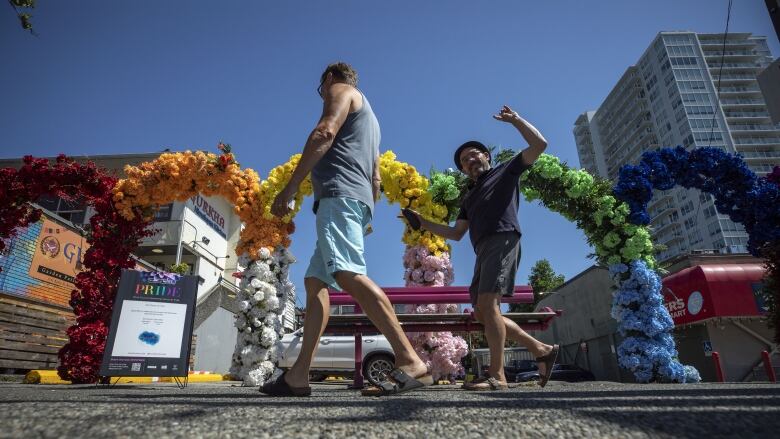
(720, 73)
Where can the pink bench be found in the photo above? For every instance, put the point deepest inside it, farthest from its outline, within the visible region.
(358, 323)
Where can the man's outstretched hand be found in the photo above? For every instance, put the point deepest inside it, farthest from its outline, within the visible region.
(506, 114)
(412, 217)
(281, 204)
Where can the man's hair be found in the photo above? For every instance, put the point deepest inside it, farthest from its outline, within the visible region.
(341, 72)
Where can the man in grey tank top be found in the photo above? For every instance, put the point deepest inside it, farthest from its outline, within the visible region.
(342, 154)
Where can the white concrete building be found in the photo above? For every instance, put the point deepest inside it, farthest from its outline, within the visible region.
(669, 98)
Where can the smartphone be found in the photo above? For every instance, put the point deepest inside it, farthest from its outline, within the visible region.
(414, 222)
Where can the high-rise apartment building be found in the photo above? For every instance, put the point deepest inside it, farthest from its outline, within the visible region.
(685, 90)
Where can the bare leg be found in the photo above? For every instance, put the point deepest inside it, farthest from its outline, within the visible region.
(516, 333)
(495, 332)
(317, 313)
(379, 310)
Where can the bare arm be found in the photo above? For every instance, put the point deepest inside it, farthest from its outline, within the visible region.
(376, 180)
(536, 142)
(454, 233)
(334, 113)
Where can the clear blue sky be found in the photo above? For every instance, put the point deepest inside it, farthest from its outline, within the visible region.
(123, 77)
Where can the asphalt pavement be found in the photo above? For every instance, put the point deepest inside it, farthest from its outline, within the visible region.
(227, 410)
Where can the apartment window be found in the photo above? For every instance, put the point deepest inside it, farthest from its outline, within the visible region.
(683, 73)
(696, 98)
(704, 198)
(713, 228)
(679, 114)
(70, 210)
(710, 212)
(163, 213)
(699, 109)
(694, 237)
(687, 208)
(684, 61)
(669, 78)
(689, 223)
(651, 82)
(705, 137)
(703, 124)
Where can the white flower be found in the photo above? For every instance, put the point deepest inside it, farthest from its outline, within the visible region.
(269, 289)
(268, 367)
(243, 305)
(254, 378)
(269, 337)
(258, 296)
(272, 303)
(240, 322)
(258, 312)
(257, 322)
(269, 277)
(256, 283)
(264, 253)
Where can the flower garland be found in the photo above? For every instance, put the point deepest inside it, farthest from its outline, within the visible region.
(627, 249)
(111, 238)
(264, 287)
(441, 351)
(403, 185)
(262, 244)
(738, 192)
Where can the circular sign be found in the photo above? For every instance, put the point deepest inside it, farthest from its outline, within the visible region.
(50, 246)
(695, 302)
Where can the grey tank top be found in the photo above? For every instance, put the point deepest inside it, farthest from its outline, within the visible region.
(346, 169)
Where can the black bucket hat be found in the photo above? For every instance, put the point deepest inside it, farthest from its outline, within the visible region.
(469, 144)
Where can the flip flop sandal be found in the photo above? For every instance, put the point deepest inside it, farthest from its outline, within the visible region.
(399, 382)
(491, 384)
(279, 387)
(549, 362)
(481, 379)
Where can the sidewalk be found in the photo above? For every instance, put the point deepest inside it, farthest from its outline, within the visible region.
(226, 409)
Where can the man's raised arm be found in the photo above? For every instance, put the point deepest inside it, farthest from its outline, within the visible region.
(536, 142)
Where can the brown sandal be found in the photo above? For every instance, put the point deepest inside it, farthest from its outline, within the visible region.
(491, 384)
(549, 362)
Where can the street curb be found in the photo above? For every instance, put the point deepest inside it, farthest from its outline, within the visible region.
(51, 377)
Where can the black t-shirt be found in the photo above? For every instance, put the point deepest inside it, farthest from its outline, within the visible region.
(490, 206)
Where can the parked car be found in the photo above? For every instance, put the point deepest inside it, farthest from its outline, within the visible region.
(336, 355)
(561, 372)
(514, 367)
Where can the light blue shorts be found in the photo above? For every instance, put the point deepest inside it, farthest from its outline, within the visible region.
(341, 225)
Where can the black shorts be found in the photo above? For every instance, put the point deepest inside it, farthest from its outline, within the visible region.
(498, 256)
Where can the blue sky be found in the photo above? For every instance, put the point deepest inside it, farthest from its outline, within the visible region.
(123, 77)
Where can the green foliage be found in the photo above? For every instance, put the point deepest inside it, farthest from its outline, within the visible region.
(21, 7)
(588, 201)
(448, 188)
(182, 268)
(542, 279)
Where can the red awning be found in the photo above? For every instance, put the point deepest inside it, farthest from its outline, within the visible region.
(705, 291)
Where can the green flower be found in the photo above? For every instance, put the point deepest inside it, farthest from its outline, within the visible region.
(611, 240)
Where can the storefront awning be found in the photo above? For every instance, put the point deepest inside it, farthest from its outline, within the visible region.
(706, 291)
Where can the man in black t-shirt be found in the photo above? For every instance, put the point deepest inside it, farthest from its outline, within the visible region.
(489, 213)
